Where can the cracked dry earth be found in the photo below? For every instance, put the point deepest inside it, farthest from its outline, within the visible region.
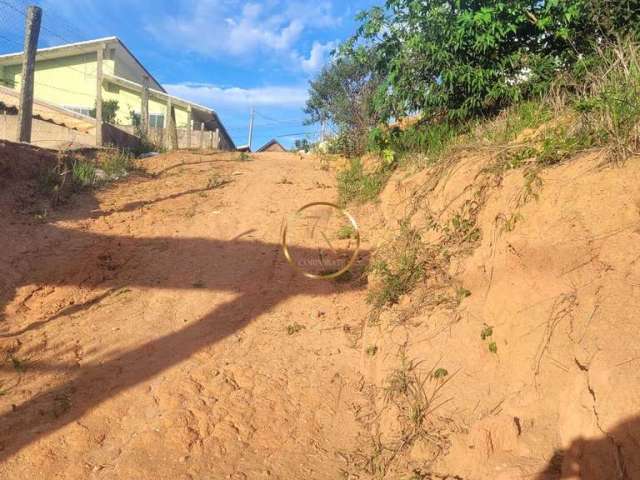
(145, 332)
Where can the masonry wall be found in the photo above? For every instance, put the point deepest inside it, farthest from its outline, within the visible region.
(47, 134)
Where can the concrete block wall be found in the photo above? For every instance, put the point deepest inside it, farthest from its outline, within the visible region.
(47, 134)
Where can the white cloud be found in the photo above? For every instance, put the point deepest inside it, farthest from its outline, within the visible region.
(240, 98)
(317, 57)
(217, 28)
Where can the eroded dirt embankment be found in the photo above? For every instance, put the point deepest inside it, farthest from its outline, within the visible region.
(541, 342)
(153, 329)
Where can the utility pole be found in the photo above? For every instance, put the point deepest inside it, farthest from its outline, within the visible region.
(31, 34)
(253, 112)
(99, 122)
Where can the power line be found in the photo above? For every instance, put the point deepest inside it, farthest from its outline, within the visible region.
(52, 32)
(300, 134)
(276, 121)
(21, 11)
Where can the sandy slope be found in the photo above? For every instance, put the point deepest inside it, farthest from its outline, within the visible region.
(558, 280)
(144, 328)
(147, 324)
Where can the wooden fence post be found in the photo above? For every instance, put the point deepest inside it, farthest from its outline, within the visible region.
(144, 108)
(171, 125)
(31, 35)
(216, 142)
(189, 122)
(201, 135)
(100, 58)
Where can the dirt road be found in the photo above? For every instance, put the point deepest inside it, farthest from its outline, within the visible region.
(153, 329)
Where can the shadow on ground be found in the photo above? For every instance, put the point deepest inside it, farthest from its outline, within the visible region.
(614, 456)
(247, 269)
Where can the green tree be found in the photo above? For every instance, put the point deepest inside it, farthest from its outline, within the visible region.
(342, 96)
(467, 58)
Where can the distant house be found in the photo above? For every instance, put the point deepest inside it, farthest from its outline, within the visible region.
(66, 76)
(272, 146)
(244, 148)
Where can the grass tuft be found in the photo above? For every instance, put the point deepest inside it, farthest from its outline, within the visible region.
(355, 185)
(399, 269)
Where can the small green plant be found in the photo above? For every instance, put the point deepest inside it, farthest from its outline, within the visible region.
(431, 139)
(415, 395)
(217, 181)
(18, 365)
(346, 231)
(533, 184)
(109, 111)
(146, 145)
(389, 158)
(83, 174)
(48, 181)
(371, 350)
(117, 164)
(462, 293)
(356, 185)
(509, 222)
(487, 332)
(440, 373)
(244, 157)
(513, 121)
(294, 328)
(493, 347)
(400, 269)
(463, 228)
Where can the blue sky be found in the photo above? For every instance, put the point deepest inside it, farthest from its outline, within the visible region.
(229, 55)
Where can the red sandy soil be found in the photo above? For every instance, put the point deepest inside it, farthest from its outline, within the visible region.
(152, 329)
(145, 328)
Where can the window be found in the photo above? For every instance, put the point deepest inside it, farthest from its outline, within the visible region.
(136, 118)
(156, 120)
(89, 112)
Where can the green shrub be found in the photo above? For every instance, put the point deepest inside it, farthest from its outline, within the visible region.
(83, 174)
(356, 185)
(431, 140)
(610, 103)
(401, 266)
(520, 117)
(346, 231)
(109, 111)
(117, 164)
(465, 60)
(244, 157)
(145, 145)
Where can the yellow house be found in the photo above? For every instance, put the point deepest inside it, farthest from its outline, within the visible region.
(67, 76)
